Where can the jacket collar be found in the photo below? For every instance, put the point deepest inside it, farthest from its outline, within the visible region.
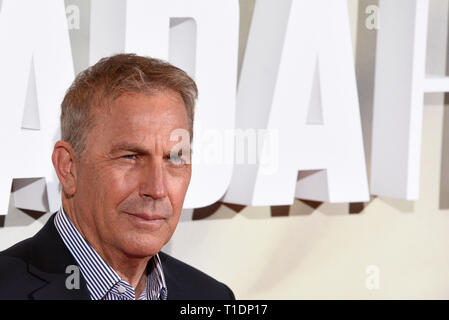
(176, 291)
(48, 261)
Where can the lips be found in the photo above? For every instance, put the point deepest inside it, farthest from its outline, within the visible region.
(147, 216)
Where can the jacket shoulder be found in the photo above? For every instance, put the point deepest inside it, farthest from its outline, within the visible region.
(19, 250)
(186, 282)
(15, 279)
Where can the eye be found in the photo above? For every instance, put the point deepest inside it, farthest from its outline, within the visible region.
(130, 156)
(177, 161)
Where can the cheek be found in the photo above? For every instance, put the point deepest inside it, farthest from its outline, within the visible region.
(114, 185)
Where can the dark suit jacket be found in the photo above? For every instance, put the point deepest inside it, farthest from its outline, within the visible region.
(35, 269)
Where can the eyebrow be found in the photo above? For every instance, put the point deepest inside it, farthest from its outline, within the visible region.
(126, 146)
(131, 147)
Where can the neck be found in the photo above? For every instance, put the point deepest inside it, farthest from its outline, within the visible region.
(130, 269)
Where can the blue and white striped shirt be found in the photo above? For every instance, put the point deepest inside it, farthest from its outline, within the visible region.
(102, 281)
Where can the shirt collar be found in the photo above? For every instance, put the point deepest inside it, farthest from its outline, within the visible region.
(100, 278)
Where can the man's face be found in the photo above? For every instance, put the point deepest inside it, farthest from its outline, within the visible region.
(130, 191)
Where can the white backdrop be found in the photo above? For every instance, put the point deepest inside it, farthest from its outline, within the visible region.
(319, 250)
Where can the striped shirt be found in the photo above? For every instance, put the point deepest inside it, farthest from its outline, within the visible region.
(102, 281)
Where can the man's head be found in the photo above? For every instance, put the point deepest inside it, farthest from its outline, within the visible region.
(123, 169)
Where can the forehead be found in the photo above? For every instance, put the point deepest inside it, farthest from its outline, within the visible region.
(144, 119)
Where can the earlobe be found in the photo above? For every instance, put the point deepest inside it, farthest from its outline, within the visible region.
(64, 164)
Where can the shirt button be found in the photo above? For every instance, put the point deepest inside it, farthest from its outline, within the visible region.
(121, 289)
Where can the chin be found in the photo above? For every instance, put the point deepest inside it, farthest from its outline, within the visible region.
(138, 239)
(141, 247)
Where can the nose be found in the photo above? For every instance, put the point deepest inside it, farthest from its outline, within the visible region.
(152, 183)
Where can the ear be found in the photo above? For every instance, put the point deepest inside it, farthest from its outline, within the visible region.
(63, 159)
